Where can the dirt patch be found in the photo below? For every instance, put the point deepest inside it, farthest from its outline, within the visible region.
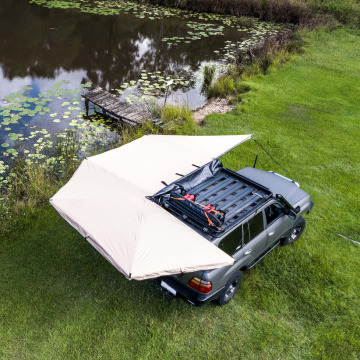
(212, 106)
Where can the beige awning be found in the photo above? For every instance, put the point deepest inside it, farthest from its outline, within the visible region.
(105, 201)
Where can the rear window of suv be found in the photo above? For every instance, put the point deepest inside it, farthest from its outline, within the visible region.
(253, 227)
(232, 242)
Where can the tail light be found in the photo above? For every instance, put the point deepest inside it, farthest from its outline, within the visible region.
(200, 285)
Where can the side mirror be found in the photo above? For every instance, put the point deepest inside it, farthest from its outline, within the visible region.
(291, 214)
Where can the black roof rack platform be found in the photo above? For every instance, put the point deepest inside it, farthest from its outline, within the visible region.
(213, 202)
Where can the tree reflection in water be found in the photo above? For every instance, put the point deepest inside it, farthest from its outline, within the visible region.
(39, 42)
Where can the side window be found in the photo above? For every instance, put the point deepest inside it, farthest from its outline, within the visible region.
(273, 212)
(232, 242)
(253, 227)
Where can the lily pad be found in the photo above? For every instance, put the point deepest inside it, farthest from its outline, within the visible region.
(13, 136)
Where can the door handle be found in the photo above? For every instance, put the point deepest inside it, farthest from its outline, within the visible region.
(248, 252)
(271, 233)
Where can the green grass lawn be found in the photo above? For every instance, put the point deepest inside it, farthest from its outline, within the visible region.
(59, 299)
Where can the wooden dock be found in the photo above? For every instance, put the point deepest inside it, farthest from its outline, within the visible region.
(113, 107)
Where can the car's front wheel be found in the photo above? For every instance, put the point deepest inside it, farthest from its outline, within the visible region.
(295, 232)
(230, 289)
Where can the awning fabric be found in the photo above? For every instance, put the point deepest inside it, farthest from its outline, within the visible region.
(105, 202)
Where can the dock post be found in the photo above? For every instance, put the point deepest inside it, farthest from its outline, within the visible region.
(168, 85)
(87, 107)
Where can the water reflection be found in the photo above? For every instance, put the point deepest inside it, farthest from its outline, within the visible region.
(46, 43)
(41, 47)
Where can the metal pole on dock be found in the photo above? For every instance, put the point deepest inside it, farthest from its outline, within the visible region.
(167, 89)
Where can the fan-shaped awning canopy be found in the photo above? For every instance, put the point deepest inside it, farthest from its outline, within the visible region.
(105, 202)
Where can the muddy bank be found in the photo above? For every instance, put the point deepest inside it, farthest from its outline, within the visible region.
(212, 106)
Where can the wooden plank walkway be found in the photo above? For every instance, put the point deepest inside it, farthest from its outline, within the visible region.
(115, 108)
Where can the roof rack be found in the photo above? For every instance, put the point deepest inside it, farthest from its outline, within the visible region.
(219, 202)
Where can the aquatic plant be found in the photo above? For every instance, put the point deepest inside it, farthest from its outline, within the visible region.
(201, 28)
(153, 84)
(31, 177)
(209, 72)
(39, 155)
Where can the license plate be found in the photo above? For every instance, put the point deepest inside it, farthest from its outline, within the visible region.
(168, 287)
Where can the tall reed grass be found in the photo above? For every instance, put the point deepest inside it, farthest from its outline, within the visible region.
(176, 118)
(208, 73)
(31, 182)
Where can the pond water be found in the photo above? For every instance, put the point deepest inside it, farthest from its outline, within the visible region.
(41, 46)
(51, 51)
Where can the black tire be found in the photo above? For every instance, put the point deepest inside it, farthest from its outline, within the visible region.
(231, 287)
(295, 232)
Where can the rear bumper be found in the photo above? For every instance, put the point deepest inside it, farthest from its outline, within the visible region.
(184, 292)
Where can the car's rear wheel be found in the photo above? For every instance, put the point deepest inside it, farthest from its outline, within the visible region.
(230, 289)
(295, 232)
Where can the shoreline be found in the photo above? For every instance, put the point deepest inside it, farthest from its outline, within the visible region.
(212, 106)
